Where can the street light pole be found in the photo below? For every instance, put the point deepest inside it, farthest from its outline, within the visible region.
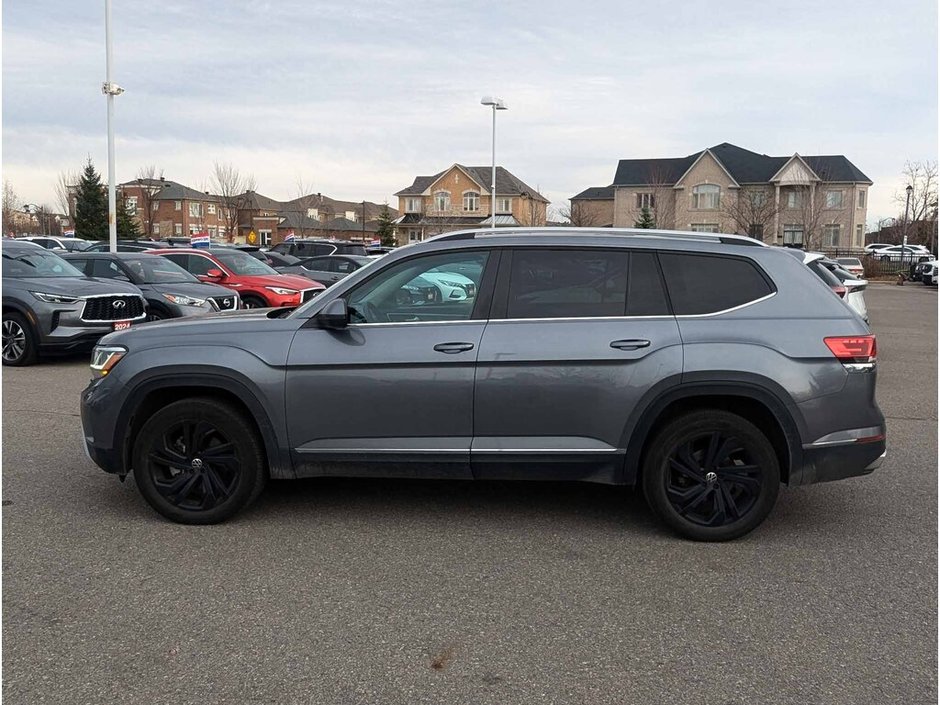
(110, 89)
(496, 104)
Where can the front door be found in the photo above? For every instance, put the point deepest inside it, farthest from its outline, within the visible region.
(576, 337)
(392, 394)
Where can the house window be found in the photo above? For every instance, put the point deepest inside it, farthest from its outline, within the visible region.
(758, 198)
(706, 196)
(212, 231)
(155, 205)
(195, 229)
(793, 234)
(131, 203)
(833, 199)
(756, 231)
(210, 209)
(195, 210)
(861, 198)
(412, 205)
(831, 235)
(442, 200)
(471, 201)
(794, 199)
(178, 229)
(504, 205)
(859, 234)
(704, 227)
(177, 205)
(156, 228)
(414, 235)
(264, 237)
(645, 200)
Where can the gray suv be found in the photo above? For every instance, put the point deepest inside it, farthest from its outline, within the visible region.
(50, 306)
(706, 369)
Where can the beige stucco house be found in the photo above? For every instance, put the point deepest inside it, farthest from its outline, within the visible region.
(819, 202)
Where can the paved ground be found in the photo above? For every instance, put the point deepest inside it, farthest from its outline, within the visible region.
(421, 592)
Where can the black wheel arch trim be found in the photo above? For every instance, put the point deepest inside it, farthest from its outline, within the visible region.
(27, 313)
(690, 386)
(279, 462)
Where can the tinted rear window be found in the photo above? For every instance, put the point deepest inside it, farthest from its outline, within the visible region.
(646, 295)
(711, 283)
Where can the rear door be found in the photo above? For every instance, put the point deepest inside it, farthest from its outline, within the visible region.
(576, 337)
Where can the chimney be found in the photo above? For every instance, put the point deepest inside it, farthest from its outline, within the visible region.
(162, 178)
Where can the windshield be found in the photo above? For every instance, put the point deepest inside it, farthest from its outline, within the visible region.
(157, 270)
(37, 264)
(242, 264)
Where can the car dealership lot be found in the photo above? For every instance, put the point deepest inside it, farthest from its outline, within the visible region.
(391, 591)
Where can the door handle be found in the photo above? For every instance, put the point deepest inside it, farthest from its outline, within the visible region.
(452, 348)
(630, 344)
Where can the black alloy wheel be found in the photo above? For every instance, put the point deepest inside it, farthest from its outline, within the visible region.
(199, 461)
(711, 475)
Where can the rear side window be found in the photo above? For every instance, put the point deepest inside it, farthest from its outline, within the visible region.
(710, 283)
(646, 295)
(567, 283)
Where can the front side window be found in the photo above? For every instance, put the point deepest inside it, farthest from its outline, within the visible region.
(471, 201)
(793, 234)
(567, 283)
(157, 270)
(106, 269)
(700, 284)
(834, 199)
(440, 287)
(242, 264)
(442, 200)
(831, 235)
(706, 196)
(38, 264)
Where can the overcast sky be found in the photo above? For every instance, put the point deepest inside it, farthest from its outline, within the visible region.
(356, 98)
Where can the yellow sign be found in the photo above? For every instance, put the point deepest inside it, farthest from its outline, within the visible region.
(252, 238)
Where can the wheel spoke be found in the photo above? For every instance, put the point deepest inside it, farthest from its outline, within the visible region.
(728, 500)
(222, 450)
(737, 475)
(692, 472)
(179, 488)
(698, 498)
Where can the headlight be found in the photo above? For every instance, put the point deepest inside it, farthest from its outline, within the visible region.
(104, 357)
(184, 300)
(54, 298)
(282, 292)
(456, 285)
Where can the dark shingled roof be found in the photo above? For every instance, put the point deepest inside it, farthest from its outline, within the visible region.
(596, 193)
(506, 183)
(745, 167)
(173, 191)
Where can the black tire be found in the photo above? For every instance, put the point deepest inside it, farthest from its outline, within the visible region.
(156, 315)
(710, 475)
(231, 472)
(19, 341)
(251, 301)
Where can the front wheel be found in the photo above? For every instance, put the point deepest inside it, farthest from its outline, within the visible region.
(198, 461)
(253, 302)
(711, 475)
(19, 341)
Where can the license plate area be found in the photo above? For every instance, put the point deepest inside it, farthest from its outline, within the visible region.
(122, 325)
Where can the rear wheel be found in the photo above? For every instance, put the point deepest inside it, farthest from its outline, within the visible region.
(711, 475)
(198, 461)
(19, 341)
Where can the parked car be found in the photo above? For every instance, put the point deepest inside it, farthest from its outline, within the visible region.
(705, 368)
(69, 244)
(902, 253)
(873, 247)
(328, 269)
(50, 306)
(307, 248)
(930, 276)
(257, 284)
(843, 284)
(920, 270)
(125, 246)
(853, 265)
(170, 291)
(276, 259)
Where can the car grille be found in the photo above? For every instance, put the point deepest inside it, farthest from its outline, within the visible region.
(113, 307)
(225, 303)
(308, 294)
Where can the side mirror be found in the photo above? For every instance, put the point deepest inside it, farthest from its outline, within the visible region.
(334, 316)
(215, 274)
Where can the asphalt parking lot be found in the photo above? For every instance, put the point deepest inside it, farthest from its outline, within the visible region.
(371, 591)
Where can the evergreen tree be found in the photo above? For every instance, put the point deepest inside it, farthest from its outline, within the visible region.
(91, 206)
(645, 221)
(386, 229)
(127, 226)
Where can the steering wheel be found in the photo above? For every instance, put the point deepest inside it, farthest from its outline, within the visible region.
(365, 312)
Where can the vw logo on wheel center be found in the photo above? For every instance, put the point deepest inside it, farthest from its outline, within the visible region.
(119, 303)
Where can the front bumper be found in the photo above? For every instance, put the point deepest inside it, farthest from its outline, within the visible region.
(96, 441)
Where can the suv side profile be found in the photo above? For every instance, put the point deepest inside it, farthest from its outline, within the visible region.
(682, 363)
(316, 248)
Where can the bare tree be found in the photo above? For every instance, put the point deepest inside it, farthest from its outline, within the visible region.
(533, 210)
(232, 187)
(304, 202)
(148, 181)
(65, 185)
(10, 204)
(661, 185)
(920, 222)
(752, 211)
(579, 214)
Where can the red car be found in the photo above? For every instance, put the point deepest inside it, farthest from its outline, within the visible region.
(258, 285)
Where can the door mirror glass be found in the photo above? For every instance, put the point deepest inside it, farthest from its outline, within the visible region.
(215, 273)
(334, 315)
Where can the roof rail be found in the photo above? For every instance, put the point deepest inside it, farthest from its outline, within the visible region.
(723, 238)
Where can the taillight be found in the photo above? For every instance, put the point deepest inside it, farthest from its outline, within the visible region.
(839, 290)
(855, 349)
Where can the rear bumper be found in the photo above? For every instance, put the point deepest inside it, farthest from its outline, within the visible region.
(837, 462)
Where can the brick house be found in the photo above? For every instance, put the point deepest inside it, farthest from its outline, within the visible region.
(459, 197)
(819, 202)
(165, 208)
